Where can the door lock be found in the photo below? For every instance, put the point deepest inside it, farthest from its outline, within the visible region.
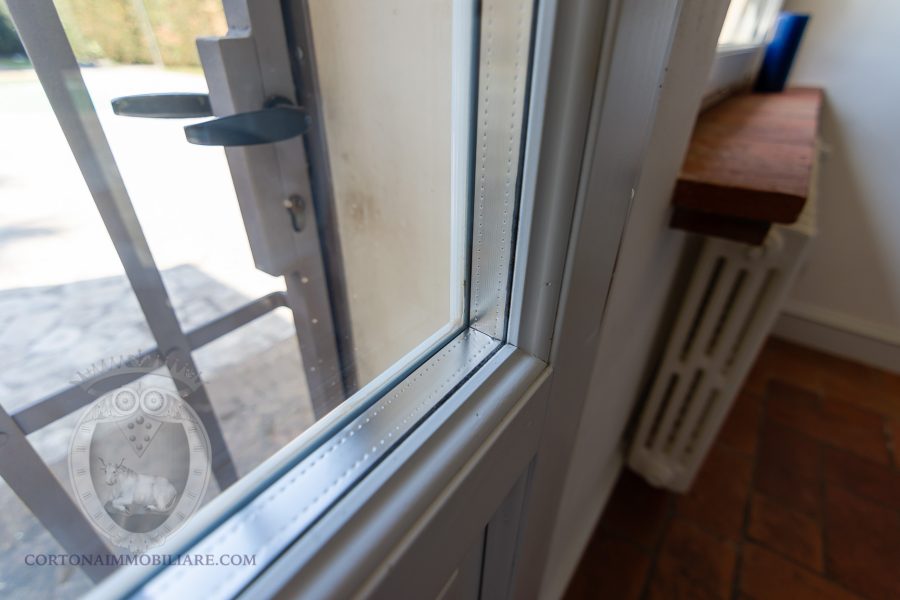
(296, 207)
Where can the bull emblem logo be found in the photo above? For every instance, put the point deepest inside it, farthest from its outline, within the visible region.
(134, 492)
(139, 465)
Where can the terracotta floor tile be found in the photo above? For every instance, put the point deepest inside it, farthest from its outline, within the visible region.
(803, 505)
(877, 401)
(610, 568)
(790, 450)
(863, 478)
(861, 386)
(740, 430)
(850, 414)
(891, 383)
(788, 532)
(845, 377)
(893, 435)
(691, 558)
(766, 576)
(756, 380)
(636, 510)
(833, 422)
(788, 403)
(802, 494)
(792, 363)
(863, 544)
(719, 494)
(672, 584)
(856, 430)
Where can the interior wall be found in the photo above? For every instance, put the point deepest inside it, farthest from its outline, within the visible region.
(847, 299)
(641, 296)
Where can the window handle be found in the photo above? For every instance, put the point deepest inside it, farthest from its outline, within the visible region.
(280, 120)
(277, 122)
(163, 106)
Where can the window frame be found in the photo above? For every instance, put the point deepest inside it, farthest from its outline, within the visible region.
(736, 64)
(451, 368)
(584, 160)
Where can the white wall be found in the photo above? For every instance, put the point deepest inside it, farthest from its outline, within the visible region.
(847, 300)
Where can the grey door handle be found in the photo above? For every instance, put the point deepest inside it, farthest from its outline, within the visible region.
(279, 120)
(163, 106)
(264, 126)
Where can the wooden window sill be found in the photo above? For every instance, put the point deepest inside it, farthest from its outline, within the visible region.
(749, 164)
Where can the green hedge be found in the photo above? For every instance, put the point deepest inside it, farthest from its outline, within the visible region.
(179, 23)
(113, 29)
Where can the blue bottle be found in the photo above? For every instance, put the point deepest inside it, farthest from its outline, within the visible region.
(780, 52)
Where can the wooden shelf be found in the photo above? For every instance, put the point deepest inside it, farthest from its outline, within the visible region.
(749, 165)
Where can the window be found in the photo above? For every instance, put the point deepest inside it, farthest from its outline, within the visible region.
(740, 48)
(748, 22)
(308, 295)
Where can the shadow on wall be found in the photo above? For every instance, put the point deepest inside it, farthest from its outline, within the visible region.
(849, 239)
(849, 292)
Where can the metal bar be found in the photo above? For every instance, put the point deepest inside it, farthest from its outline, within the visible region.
(29, 477)
(306, 80)
(42, 412)
(322, 363)
(54, 62)
(228, 322)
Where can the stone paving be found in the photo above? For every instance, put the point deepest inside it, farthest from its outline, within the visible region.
(254, 378)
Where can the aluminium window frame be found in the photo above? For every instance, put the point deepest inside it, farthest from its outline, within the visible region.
(359, 433)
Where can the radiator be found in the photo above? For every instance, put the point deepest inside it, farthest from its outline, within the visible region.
(732, 301)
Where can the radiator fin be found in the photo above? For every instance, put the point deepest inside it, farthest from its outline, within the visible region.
(726, 311)
(701, 308)
(685, 406)
(666, 398)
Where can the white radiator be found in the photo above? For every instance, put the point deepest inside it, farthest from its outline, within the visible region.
(732, 301)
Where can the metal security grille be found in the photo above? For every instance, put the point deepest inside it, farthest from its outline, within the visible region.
(734, 297)
(20, 465)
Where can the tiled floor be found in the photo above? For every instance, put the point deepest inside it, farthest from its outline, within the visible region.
(799, 497)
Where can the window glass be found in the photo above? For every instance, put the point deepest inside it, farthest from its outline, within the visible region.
(389, 125)
(748, 22)
(146, 303)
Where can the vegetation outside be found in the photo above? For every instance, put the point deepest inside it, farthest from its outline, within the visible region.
(129, 31)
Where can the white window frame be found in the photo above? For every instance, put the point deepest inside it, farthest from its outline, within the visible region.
(736, 64)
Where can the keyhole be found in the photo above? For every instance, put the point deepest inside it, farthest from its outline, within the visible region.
(296, 208)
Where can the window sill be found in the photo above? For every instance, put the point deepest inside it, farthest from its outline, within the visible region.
(749, 164)
(734, 68)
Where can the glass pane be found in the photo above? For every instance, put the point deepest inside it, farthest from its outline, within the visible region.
(748, 21)
(389, 125)
(145, 298)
